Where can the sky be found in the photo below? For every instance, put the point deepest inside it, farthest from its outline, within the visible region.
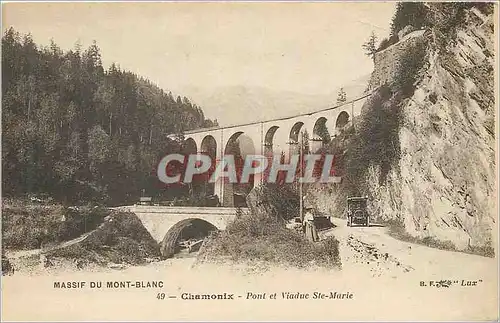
(309, 48)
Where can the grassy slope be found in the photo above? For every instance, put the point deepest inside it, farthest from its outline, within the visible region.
(262, 239)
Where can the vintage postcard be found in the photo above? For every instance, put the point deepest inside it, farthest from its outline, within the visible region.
(249, 161)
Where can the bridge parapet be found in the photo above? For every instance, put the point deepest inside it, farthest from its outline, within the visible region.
(159, 219)
(179, 210)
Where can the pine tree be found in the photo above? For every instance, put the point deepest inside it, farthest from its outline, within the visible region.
(370, 46)
(410, 13)
(342, 96)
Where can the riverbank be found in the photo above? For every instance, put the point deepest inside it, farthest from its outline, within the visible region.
(56, 236)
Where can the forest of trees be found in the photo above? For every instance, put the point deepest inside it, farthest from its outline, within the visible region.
(79, 133)
(444, 17)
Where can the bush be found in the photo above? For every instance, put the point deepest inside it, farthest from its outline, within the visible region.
(32, 226)
(410, 13)
(383, 44)
(444, 17)
(284, 198)
(409, 68)
(485, 251)
(121, 238)
(262, 238)
(386, 42)
(375, 142)
(397, 230)
(486, 8)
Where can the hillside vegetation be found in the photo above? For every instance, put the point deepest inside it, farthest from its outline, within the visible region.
(261, 238)
(80, 133)
(35, 226)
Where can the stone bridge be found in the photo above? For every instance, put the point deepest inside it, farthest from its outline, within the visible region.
(272, 137)
(159, 220)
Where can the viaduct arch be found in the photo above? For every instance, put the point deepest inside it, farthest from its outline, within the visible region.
(169, 225)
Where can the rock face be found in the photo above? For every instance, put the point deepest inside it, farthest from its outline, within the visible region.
(387, 61)
(444, 186)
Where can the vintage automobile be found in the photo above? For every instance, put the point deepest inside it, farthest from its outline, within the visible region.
(356, 211)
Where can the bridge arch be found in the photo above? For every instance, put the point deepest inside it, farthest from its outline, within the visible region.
(269, 140)
(191, 228)
(294, 142)
(231, 142)
(190, 146)
(209, 146)
(342, 121)
(320, 134)
(238, 145)
(241, 144)
(295, 131)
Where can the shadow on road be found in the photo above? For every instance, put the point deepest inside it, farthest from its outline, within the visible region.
(323, 223)
(371, 225)
(376, 225)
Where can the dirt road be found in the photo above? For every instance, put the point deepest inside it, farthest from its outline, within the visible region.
(372, 250)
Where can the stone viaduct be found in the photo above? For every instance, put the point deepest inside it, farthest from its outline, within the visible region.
(168, 225)
(277, 136)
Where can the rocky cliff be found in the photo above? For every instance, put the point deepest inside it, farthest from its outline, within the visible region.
(387, 61)
(441, 180)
